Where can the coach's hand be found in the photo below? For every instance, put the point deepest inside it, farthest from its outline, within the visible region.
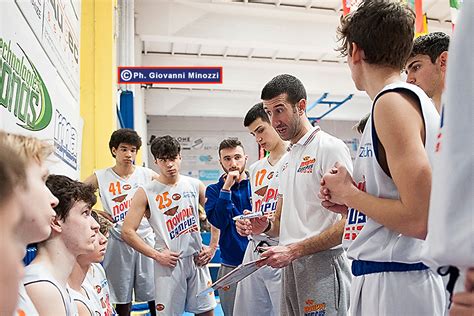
(206, 255)
(278, 256)
(463, 302)
(254, 226)
(167, 258)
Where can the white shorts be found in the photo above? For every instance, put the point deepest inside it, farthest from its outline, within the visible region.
(398, 293)
(126, 270)
(177, 288)
(260, 292)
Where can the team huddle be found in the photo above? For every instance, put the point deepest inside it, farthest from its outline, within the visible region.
(334, 236)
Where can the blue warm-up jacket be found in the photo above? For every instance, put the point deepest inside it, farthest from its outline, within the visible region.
(221, 207)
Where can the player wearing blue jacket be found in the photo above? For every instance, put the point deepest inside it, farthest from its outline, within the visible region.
(225, 199)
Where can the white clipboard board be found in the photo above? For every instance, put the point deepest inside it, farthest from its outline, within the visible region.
(238, 274)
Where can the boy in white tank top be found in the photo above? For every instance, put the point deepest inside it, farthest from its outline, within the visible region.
(127, 270)
(13, 181)
(388, 196)
(171, 205)
(30, 154)
(85, 291)
(73, 233)
(260, 292)
(451, 218)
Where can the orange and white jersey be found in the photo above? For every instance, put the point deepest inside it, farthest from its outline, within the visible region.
(97, 288)
(264, 182)
(25, 305)
(116, 194)
(174, 215)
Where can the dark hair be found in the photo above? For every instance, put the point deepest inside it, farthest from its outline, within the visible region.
(165, 147)
(124, 136)
(433, 45)
(104, 224)
(383, 29)
(285, 83)
(231, 142)
(361, 125)
(68, 192)
(257, 111)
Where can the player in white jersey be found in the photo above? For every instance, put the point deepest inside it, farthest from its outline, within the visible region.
(97, 289)
(13, 182)
(171, 205)
(30, 154)
(84, 305)
(83, 292)
(309, 250)
(388, 196)
(73, 233)
(260, 292)
(95, 283)
(426, 66)
(57, 294)
(127, 270)
(450, 229)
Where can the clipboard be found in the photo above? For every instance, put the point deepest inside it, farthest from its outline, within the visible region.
(238, 274)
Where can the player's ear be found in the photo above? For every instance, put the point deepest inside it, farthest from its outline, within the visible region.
(56, 224)
(301, 106)
(443, 60)
(357, 53)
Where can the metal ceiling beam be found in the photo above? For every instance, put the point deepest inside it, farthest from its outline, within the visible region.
(231, 43)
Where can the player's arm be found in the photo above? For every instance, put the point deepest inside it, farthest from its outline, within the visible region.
(92, 180)
(219, 207)
(82, 309)
(129, 232)
(215, 232)
(207, 252)
(154, 175)
(400, 129)
(411, 172)
(202, 194)
(46, 298)
(132, 222)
